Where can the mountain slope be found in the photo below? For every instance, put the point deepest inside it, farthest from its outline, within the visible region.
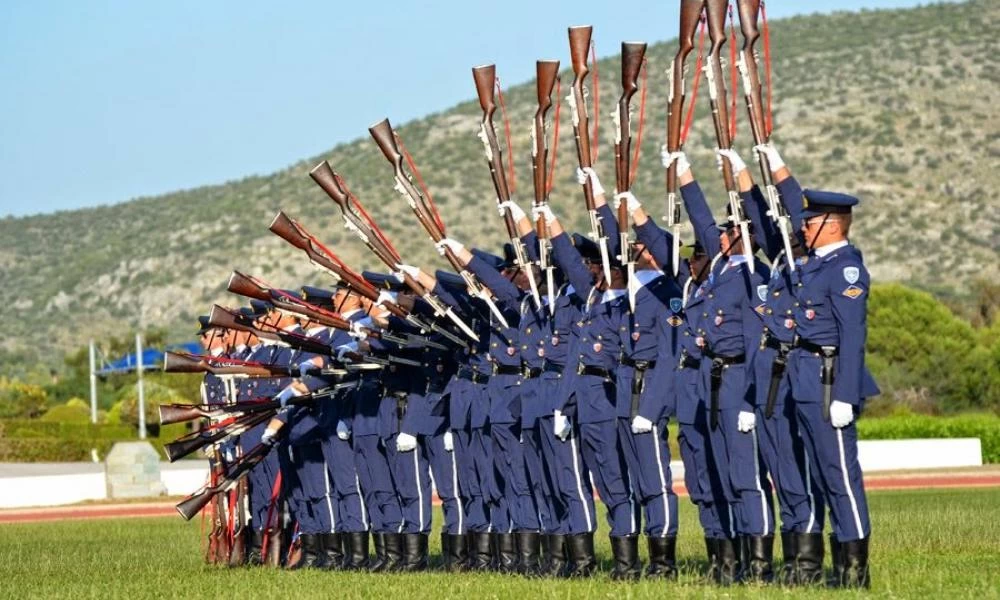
(895, 106)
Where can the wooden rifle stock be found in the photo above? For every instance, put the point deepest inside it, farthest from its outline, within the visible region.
(285, 228)
(197, 440)
(749, 10)
(485, 76)
(182, 363)
(579, 45)
(633, 54)
(192, 505)
(546, 73)
(221, 317)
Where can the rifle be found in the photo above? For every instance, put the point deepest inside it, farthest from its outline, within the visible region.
(747, 64)
(182, 362)
(193, 504)
(238, 508)
(485, 77)
(720, 116)
(197, 440)
(547, 72)
(324, 259)
(218, 538)
(691, 11)
(357, 219)
(385, 138)
(220, 317)
(633, 54)
(579, 44)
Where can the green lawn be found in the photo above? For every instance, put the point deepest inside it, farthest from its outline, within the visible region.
(928, 543)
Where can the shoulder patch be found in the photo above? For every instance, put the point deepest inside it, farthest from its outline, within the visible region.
(762, 292)
(676, 304)
(852, 274)
(853, 292)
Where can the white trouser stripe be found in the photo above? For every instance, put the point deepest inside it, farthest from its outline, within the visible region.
(329, 497)
(631, 505)
(663, 483)
(361, 501)
(732, 521)
(420, 492)
(756, 475)
(809, 492)
(579, 483)
(454, 482)
(847, 484)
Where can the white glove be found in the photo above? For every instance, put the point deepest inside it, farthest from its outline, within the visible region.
(344, 349)
(841, 414)
(410, 270)
(630, 200)
(405, 442)
(449, 441)
(386, 296)
(736, 163)
(774, 160)
(515, 211)
(343, 430)
(304, 368)
(287, 394)
(561, 426)
(746, 421)
(667, 158)
(270, 436)
(595, 183)
(543, 211)
(641, 424)
(450, 244)
(359, 330)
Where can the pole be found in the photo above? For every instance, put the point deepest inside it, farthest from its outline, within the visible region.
(93, 383)
(142, 398)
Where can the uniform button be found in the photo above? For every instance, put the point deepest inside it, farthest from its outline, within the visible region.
(712, 295)
(776, 294)
(769, 311)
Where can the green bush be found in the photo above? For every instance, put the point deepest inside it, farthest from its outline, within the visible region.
(902, 426)
(74, 411)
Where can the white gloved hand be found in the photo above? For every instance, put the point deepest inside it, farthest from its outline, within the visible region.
(343, 430)
(774, 160)
(641, 424)
(359, 330)
(405, 442)
(736, 163)
(386, 296)
(667, 158)
(305, 367)
(450, 244)
(410, 270)
(841, 414)
(544, 211)
(595, 183)
(270, 436)
(287, 394)
(561, 426)
(449, 441)
(746, 421)
(343, 350)
(515, 211)
(630, 201)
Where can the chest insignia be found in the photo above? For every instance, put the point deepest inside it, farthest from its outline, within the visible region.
(810, 314)
(762, 293)
(676, 304)
(598, 346)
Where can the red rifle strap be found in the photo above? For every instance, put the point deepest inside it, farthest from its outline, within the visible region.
(769, 122)
(597, 104)
(689, 119)
(642, 121)
(511, 182)
(733, 76)
(420, 182)
(555, 138)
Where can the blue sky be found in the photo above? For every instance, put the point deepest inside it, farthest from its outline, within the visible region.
(104, 101)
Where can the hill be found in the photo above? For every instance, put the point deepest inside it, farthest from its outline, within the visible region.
(895, 106)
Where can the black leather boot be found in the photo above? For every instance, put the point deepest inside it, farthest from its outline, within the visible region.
(855, 573)
(393, 552)
(837, 557)
(377, 563)
(529, 545)
(506, 553)
(310, 557)
(480, 551)
(333, 551)
(554, 561)
(625, 550)
(808, 559)
(712, 552)
(253, 550)
(662, 558)
(789, 548)
(456, 553)
(414, 552)
(758, 566)
(355, 550)
(445, 551)
(729, 561)
(580, 550)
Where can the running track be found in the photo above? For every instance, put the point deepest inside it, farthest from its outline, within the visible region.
(968, 479)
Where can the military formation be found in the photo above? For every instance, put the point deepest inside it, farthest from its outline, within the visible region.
(514, 387)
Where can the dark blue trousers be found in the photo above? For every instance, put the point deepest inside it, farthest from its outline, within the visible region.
(377, 484)
(648, 459)
(606, 463)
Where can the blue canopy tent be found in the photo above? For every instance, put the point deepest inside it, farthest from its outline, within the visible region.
(152, 359)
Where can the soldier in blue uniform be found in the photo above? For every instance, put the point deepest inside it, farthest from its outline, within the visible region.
(593, 394)
(829, 379)
(729, 335)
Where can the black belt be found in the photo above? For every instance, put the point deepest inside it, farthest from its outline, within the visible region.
(582, 369)
(639, 365)
(473, 376)
(828, 354)
(401, 396)
(436, 387)
(689, 362)
(769, 340)
(530, 372)
(719, 364)
(506, 369)
(550, 367)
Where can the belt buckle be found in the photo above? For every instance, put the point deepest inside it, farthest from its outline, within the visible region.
(579, 368)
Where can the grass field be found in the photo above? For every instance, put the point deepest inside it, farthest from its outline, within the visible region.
(927, 543)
